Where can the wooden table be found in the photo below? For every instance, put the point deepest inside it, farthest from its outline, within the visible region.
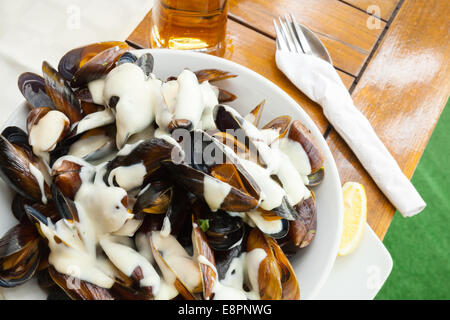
(391, 54)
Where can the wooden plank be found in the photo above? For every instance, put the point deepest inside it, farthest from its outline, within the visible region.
(343, 29)
(384, 7)
(402, 92)
(257, 52)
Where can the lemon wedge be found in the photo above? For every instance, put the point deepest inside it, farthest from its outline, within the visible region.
(355, 217)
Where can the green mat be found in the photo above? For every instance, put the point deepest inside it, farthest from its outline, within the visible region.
(420, 246)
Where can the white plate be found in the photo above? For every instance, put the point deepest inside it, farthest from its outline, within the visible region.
(312, 264)
(361, 274)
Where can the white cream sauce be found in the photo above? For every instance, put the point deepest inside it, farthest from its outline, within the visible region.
(173, 255)
(127, 260)
(137, 99)
(44, 134)
(266, 226)
(128, 177)
(95, 120)
(214, 192)
(189, 104)
(40, 179)
(86, 146)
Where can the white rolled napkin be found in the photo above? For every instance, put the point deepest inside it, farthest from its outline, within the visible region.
(321, 83)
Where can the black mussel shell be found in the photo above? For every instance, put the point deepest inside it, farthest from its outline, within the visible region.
(61, 93)
(33, 88)
(76, 58)
(146, 63)
(127, 57)
(224, 231)
(15, 170)
(19, 255)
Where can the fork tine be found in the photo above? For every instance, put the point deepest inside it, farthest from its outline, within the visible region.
(281, 42)
(300, 36)
(286, 35)
(294, 38)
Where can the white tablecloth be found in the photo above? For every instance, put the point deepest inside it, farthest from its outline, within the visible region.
(35, 30)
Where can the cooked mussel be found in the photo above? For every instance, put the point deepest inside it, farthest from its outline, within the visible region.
(99, 65)
(280, 127)
(222, 230)
(155, 198)
(127, 57)
(20, 170)
(33, 88)
(66, 175)
(61, 93)
(18, 208)
(205, 258)
(254, 116)
(289, 282)
(264, 274)
(19, 255)
(149, 153)
(76, 58)
(46, 127)
(303, 230)
(146, 62)
(314, 179)
(269, 223)
(78, 289)
(298, 132)
(177, 267)
(94, 145)
(212, 75)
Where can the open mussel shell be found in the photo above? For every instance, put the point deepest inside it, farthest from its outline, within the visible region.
(194, 181)
(56, 127)
(316, 178)
(269, 223)
(224, 231)
(229, 121)
(66, 177)
(19, 255)
(150, 152)
(155, 199)
(99, 65)
(169, 269)
(269, 277)
(78, 289)
(19, 204)
(209, 155)
(254, 116)
(178, 214)
(16, 167)
(146, 63)
(64, 205)
(61, 93)
(279, 124)
(225, 258)
(76, 58)
(202, 251)
(212, 75)
(33, 88)
(289, 282)
(299, 133)
(93, 145)
(127, 57)
(225, 96)
(17, 137)
(303, 230)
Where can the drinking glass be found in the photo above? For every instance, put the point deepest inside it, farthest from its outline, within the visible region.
(198, 25)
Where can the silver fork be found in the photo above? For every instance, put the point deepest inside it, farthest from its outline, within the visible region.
(293, 37)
